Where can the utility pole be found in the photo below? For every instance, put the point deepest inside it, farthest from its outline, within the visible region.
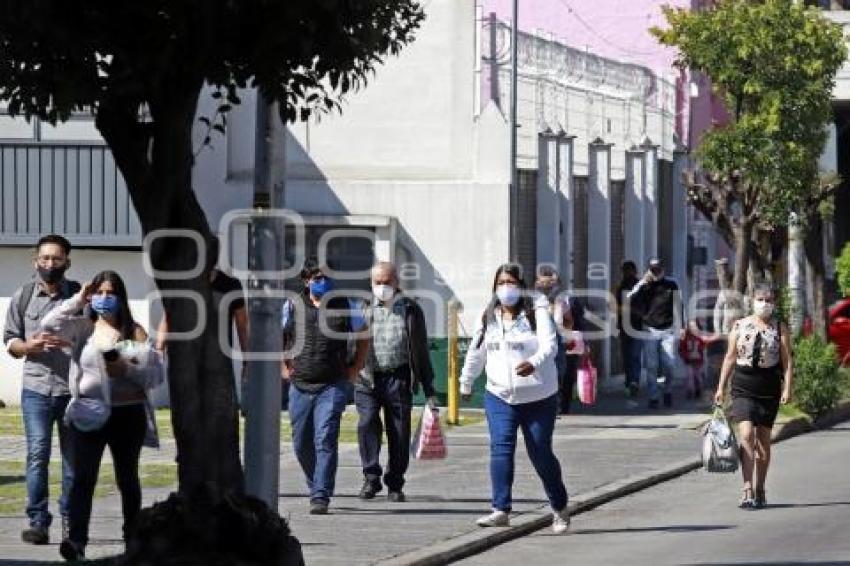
(514, 197)
(262, 398)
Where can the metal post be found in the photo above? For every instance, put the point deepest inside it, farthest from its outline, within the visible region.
(453, 381)
(514, 198)
(262, 399)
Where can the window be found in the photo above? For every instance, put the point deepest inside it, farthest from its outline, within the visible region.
(80, 127)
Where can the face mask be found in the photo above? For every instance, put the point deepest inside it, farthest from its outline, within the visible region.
(383, 293)
(508, 295)
(51, 275)
(318, 287)
(551, 291)
(762, 308)
(104, 304)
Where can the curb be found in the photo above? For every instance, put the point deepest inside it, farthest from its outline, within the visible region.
(477, 541)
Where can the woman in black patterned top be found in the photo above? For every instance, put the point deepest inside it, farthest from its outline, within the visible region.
(760, 354)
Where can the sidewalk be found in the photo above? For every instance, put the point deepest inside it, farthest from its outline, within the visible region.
(597, 446)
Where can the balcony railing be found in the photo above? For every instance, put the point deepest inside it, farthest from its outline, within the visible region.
(69, 188)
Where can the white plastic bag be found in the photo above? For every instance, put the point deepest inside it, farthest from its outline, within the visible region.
(719, 445)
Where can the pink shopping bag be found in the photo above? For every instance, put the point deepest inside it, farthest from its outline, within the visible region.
(429, 442)
(586, 380)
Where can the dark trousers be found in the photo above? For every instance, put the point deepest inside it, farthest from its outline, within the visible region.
(391, 393)
(124, 433)
(631, 350)
(567, 384)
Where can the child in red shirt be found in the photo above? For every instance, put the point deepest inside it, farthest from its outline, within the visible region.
(692, 351)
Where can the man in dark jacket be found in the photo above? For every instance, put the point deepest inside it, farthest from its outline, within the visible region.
(663, 319)
(629, 323)
(319, 372)
(397, 363)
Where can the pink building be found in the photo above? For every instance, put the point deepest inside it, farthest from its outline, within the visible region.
(619, 29)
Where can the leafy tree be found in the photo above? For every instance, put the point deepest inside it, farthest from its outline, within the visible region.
(842, 265)
(140, 67)
(774, 62)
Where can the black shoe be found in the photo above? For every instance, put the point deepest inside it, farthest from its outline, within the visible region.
(668, 400)
(318, 507)
(71, 551)
(653, 403)
(396, 496)
(36, 535)
(370, 489)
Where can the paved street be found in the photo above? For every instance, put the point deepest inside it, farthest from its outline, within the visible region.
(694, 520)
(596, 447)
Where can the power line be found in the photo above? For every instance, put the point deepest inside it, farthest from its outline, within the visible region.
(598, 35)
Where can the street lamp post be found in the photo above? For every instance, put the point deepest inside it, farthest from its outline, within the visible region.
(514, 195)
(262, 397)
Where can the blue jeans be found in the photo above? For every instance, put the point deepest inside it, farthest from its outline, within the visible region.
(39, 413)
(315, 419)
(631, 349)
(537, 421)
(660, 355)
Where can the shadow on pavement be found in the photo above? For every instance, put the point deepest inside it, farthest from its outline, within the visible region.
(405, 511)
(796, 505)
(4, 480)
(782, 563)
(669, 529)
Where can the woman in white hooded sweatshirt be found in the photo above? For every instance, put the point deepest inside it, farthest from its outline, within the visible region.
(515, 342)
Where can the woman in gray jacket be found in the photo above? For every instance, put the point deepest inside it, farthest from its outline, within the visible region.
(112, 366)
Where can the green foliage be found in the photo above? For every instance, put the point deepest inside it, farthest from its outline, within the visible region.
(817, 381)
(783, 304)
(842, 266)
(774, 62)
(61, 56)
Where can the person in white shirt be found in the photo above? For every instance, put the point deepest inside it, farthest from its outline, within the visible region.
(515, 340)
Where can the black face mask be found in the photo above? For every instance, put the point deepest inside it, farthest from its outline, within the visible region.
(551, 291)
(51, 275)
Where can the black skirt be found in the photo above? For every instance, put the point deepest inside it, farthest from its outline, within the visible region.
(756, 393)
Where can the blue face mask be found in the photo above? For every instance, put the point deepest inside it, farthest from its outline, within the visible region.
(104, 304)
(319, 287)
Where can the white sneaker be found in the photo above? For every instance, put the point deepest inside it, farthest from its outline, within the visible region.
(560, 521)
(494, 519)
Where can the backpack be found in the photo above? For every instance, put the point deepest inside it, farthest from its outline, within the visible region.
(69, 289)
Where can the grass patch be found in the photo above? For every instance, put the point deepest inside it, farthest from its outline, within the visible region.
(11, 423)
(13, 489)
(791, 411)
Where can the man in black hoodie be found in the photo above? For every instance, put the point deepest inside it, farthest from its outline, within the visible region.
(661, 306)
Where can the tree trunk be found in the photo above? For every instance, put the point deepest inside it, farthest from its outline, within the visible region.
(743, 248)
(201, 383)
(796, 276)
(816, 275)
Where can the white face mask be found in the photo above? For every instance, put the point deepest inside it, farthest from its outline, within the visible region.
(508, 295)
(762, 308)
(383, 293)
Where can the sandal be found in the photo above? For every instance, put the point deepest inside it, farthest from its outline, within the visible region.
(760, 500)
(747, 499)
